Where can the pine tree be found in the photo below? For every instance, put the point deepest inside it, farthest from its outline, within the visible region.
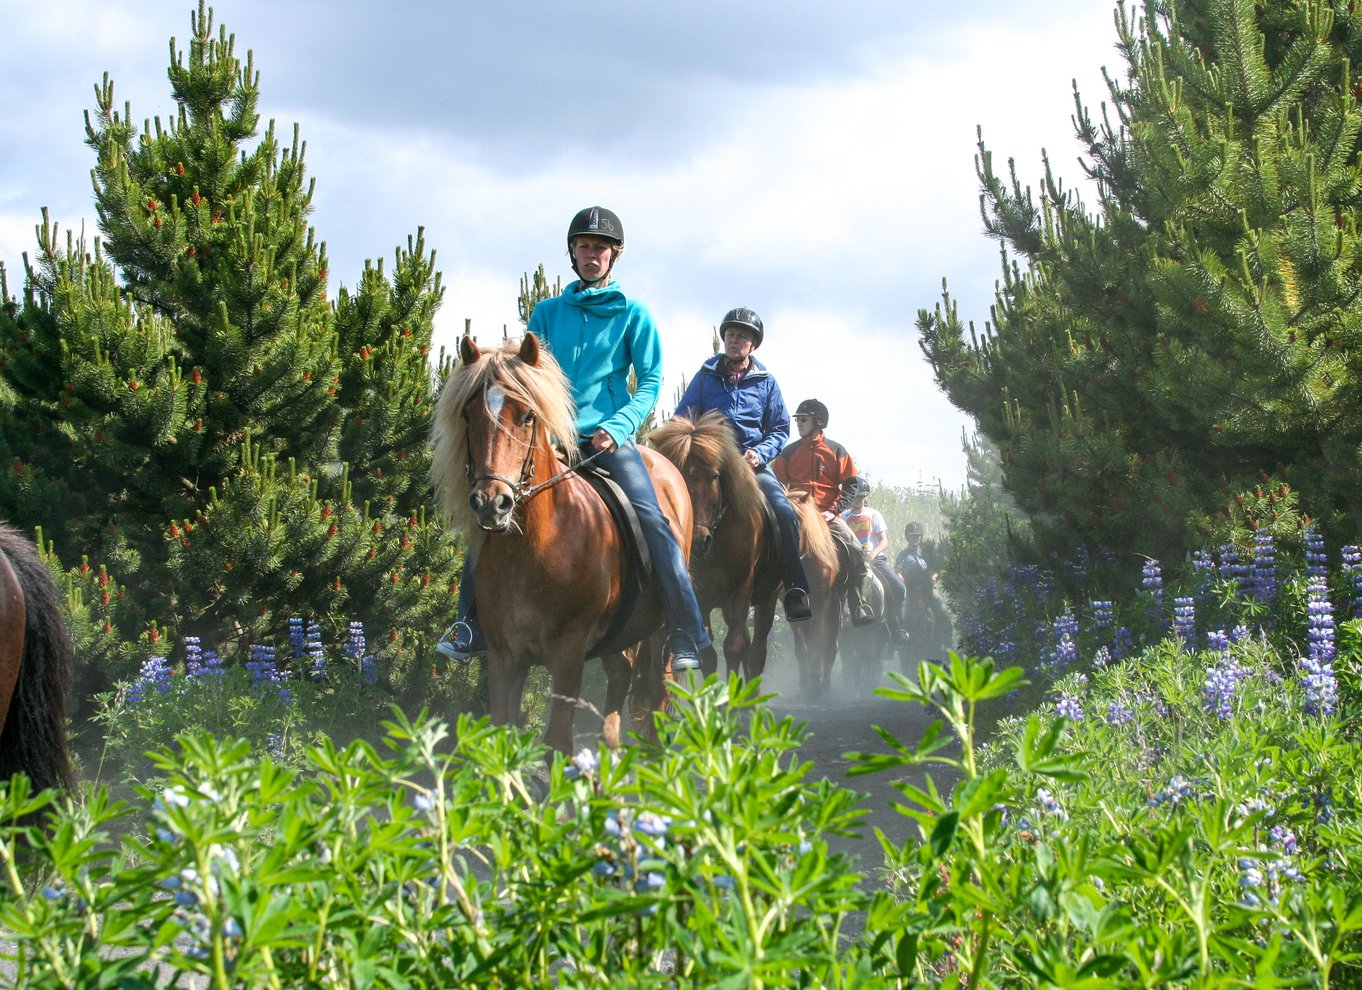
(1196, 336)
(185, 405)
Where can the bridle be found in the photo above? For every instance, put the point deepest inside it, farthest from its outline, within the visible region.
(521, 490)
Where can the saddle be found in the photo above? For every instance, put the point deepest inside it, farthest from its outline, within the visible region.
(638, 563)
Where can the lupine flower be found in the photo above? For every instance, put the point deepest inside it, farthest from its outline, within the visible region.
(1178, 790)
(1352, 569)
(261, 666)
(1151, 579)
(1122, 644)
(584, 763)
(1102, 657)
(297, 637)
(1119, 713)
(1316, 560)
(1103, 615)
(1321, 687)
(1232, 566)
(155, 674)
(314, 651)
(1263, 587)
(1184, 621)
(1069, 706)
(1064, 628)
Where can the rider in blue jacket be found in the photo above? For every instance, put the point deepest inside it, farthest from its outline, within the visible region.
(597, 335)
(738, 385)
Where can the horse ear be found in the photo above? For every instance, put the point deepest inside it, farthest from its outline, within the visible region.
(468, 350)
(529, 350)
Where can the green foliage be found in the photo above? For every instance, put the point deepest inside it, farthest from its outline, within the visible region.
(192, 418)
(1193, 331)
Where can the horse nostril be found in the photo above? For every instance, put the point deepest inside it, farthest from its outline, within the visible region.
(505, 503)
(473, 500)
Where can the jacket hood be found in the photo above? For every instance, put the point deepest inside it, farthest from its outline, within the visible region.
(605, 300)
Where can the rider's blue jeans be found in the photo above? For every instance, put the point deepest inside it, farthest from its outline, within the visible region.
(791, 567)
(626, 467)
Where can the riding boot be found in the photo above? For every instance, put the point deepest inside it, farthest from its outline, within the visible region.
(861, 612)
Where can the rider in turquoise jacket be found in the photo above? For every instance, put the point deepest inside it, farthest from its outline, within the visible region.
(598, 335)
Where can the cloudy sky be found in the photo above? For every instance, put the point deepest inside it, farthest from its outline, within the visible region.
(811, 160)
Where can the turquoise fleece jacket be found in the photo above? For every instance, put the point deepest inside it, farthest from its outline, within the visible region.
(596, 336)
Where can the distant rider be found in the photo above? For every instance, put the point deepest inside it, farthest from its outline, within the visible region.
(737, 385)
(598, 335)
(873, 535)
(923, 607)
(821, 467)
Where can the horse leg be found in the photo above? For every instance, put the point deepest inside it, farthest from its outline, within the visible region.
(709, 657)
(505, 688)
(763, 618)
(567, 690)
(737, 641)
(619, 669)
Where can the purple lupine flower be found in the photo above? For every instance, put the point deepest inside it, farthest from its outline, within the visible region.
(1151, 579)
(1069, 706)
(1264, 575)
(1218, 690)
(1352, 569)
(1321, 686)
(1232, 566)
(1077, 569)
(1219, 641)
(1119, 713)
(1316, 560)
(1184, 621)
(261, 665)
(199, 665)
(366, 663)
(154, 673)
(1064, 629)
(316, 653)
(1122, 644)
(1204, 568)
(1103, 616)
(297, 637)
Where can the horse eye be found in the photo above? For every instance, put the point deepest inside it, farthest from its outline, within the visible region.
(527, 419)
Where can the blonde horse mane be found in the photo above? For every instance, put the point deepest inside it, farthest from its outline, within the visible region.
(814, 536)
(539, 385)
(710, 438)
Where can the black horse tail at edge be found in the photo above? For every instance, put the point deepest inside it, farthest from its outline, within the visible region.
(34, 737)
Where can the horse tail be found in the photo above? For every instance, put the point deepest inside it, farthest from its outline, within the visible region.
(814, 537)
(34, 737)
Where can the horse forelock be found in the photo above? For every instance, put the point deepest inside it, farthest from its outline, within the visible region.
(542, 388)
(710, 440)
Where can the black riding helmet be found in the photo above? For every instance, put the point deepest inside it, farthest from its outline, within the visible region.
(748, 320)
(596, 221)
(816, 409)
(856, 486)
(913, 529)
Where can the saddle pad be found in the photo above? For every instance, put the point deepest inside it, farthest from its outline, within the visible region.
(638, 564)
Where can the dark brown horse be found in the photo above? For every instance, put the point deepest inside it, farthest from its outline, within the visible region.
(35, 667)
(733, 563)
(550, 560)
(816, 638)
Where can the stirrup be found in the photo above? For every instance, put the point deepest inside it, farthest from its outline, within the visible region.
(862, 615)
(461, 642)
(797, 607)
(684, 657)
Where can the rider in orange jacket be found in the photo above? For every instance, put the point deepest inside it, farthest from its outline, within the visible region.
(821, 467)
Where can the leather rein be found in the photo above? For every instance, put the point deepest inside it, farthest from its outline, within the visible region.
(521, 490)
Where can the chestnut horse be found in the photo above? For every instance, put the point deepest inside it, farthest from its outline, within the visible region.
(35, 667)
(550, 561)
(816, 637)
(734, 563)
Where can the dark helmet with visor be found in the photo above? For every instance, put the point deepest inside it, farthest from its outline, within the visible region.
(598, 222)
(856, 486)
(912, 531)
(748, 320)
(816, 409)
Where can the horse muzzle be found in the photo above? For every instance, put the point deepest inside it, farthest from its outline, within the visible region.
(703, 542)
(493, 504)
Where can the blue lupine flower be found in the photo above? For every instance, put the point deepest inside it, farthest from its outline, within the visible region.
(1232, 566)
(1352, 570)
(1177, 791)
(1070, 707)
(1263, 582)
(1218, 691)
(1103, 615)
(1122, 644)
(1119, 713)
(154, 673)
(1321, 686)
(1184, 621)
(261, 665)
(1316, 560)
(297, 637)
(1152, 577)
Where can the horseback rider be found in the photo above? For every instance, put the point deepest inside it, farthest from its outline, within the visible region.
(821, 467)
(737, 385)
(923, 604)
(873, 535)
(598, 335)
